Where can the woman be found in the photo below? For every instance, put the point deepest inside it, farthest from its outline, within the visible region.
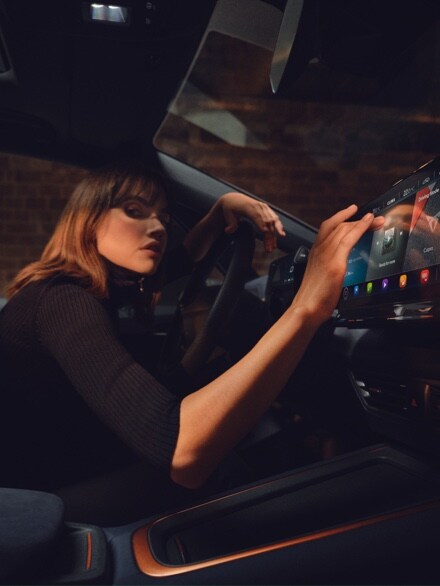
(85, 405)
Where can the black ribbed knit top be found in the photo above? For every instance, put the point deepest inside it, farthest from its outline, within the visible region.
(74, 401)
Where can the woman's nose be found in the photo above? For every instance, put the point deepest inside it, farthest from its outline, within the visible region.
(155, 227)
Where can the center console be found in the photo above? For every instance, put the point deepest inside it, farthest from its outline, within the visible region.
(308, 526)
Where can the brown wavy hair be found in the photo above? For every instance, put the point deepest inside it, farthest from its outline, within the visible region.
(72, 250)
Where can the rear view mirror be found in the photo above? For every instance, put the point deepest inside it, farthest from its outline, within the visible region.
(296, 43)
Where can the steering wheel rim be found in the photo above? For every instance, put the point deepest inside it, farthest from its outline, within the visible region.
(219, 317)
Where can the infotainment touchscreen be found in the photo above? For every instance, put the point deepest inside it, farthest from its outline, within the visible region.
(394, 273)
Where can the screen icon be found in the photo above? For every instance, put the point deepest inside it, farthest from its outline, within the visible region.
(369, 288)
(384, 284)
(424, 276)
(403, 279)
(356, 290)
(345, 293)
(389, 240)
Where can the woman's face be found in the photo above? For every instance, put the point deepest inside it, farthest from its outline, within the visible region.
(133, 234)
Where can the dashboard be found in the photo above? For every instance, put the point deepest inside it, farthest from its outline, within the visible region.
(384, 333)
(394, 273)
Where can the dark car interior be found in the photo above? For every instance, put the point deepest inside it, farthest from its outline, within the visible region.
(342, 474)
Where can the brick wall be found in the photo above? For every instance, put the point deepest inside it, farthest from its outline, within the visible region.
(33, 192)
(354, 168)
(32, 195)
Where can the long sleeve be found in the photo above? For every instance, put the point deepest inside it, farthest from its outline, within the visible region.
(76, 330)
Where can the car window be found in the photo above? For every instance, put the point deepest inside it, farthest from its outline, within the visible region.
(342, 133)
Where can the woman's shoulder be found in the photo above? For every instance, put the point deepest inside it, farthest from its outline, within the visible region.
(66, 294)
(60, 294)
(37, 291)
(23, 312)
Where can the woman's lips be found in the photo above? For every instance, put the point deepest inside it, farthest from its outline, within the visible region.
(154, 249)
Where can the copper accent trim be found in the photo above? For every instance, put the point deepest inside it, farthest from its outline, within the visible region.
(89, 551)
(149, 565)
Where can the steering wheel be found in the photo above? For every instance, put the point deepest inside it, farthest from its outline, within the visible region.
(242, 242)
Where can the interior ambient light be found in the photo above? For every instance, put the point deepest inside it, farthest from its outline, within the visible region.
(106, 13)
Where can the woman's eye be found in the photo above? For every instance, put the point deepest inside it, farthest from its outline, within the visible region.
(137, 212)
(133, 212)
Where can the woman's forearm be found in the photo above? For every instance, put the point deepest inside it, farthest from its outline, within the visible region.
(215, 418)
(199, 240)
(225, 215)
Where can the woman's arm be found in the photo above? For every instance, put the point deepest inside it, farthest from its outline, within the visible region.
(215, 418)
(75, 330)
(225, 215)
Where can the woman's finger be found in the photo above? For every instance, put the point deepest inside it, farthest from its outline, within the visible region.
(272, 221)
(354, 232)
(279, 227)
(378, 223)
(270, 241)
(329, 225)
(276, 225)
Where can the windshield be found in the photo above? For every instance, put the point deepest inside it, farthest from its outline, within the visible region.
(345, 129)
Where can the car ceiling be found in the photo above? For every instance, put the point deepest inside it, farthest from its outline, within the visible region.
(77, 90)
(86, 93)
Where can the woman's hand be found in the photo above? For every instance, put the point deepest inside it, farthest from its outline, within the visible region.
(327, 262)
(237, 205)
(225, 215)
(216, 417)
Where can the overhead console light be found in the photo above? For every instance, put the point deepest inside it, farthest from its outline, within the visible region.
(106, 13)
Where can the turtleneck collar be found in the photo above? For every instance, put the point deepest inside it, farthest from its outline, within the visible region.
(122, 276)
(125, 286)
